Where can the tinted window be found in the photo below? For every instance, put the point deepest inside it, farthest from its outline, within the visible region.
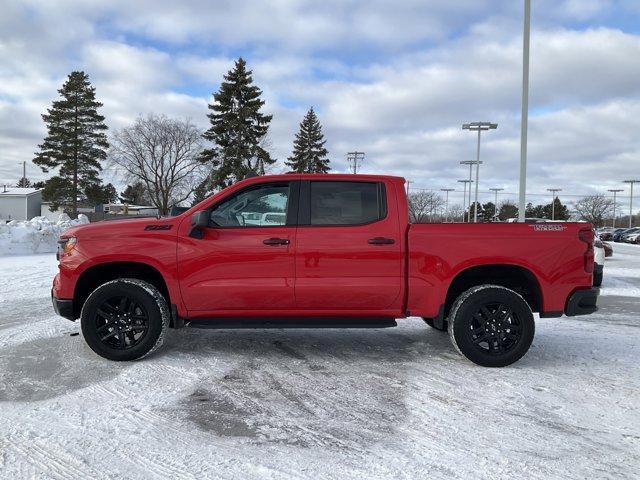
(345, 203)
(262, 206)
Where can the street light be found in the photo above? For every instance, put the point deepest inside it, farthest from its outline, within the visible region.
(446, 202)
(471, 163)
(631, 199)
(464, 195)
(615, 191)
(553, 201)
(495, 208)
(524, 119)
(478, 127)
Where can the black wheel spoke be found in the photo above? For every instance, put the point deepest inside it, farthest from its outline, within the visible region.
(109, 335)
(121, 323)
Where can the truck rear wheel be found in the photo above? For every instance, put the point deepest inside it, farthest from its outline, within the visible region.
(124, 319)
(491, 325)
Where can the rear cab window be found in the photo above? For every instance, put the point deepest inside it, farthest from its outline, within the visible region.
(346, 203)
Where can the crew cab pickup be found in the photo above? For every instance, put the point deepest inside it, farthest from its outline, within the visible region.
(329, 250)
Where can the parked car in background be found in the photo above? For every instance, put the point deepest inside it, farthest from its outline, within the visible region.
(628, 233)
(598, 260)
(608, 249)
(605, 233)
(618, 234)
(632, 238)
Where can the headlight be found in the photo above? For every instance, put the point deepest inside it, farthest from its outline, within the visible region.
(66, 244)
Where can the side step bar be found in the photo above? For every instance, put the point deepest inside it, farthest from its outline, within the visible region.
(294, 322)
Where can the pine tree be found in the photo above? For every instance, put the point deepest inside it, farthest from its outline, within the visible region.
(135, 194)
(238, 129)
(309, 154)
(75, 144)
(24, 182)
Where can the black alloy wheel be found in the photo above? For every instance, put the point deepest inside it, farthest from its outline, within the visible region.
(125, 319)
(121, 322)
(491, 325)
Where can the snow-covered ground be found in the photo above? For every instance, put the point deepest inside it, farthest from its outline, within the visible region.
(245, 404)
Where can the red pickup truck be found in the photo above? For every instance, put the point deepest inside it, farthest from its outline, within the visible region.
(320, 251)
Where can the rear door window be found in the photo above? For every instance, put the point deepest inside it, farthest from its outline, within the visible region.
(346, 203)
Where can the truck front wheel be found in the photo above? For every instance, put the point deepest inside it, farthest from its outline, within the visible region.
(491, 325)
(124, 319)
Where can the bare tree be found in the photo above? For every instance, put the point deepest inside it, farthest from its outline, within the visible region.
(162, 153)
(423, 205)
(456, 212)
(594, 209)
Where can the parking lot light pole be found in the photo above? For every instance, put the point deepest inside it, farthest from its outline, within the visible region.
(615, 191)
(446, 202)
(478, 127)
(495, 208)
(464, 196)
(471, 163)
(553, 201)
(631, 199)
(524, 119)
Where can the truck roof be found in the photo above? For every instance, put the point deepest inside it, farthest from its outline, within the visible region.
(326, 176)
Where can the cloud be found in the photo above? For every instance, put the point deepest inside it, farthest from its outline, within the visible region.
(395, 79)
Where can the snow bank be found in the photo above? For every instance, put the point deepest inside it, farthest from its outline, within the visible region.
(38, 235)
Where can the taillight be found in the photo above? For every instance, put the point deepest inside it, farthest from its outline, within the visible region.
(587, 236)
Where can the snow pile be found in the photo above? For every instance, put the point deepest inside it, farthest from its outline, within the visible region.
(38, 235)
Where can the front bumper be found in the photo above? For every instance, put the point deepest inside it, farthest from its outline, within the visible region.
(583, 302)
(62, 307)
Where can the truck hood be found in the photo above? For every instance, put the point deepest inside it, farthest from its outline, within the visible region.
(124, 227)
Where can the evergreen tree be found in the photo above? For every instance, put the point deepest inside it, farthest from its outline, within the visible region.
(238, 129)
(39, 184)
(507, 211)
(488, 211)
(309, 154)
(472, 209)
(99, 194)
(24, 182)
(200, 192)
(135, 194)
(560, 211)
(75, 144)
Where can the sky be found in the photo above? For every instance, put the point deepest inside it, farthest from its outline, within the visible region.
(393, 79)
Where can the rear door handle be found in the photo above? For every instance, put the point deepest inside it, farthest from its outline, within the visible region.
(381, 241)
(276, 241)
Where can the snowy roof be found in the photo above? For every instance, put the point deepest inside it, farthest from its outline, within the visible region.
(17, 191)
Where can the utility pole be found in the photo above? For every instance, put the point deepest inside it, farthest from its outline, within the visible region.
(524, 121)
(478, 127)
(631, 200)
(464, 196)
(495, 211)
(553, 201)
(615, 191)
(355, 160)
(446, 202)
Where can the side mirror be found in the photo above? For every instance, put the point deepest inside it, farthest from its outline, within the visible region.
(199, 220)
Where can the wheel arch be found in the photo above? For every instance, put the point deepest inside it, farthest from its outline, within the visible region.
(515, 277)
(96, 275)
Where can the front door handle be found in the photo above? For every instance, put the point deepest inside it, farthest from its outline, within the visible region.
(276, 241)
(381, 241)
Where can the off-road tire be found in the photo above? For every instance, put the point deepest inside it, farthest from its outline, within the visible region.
(467, 316)
(147, 300)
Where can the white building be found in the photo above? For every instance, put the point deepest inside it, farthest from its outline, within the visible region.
(18, 203)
